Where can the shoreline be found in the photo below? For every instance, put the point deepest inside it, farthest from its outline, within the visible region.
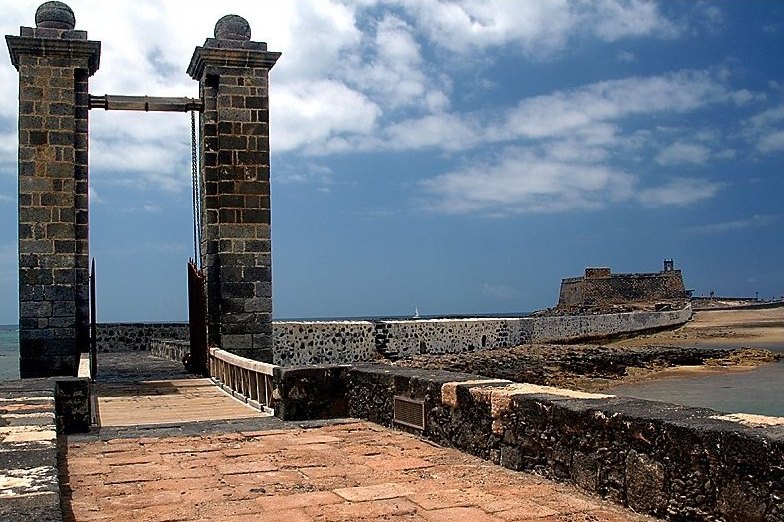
(712, 343)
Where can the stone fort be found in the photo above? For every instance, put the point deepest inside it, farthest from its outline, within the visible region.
(599, 287)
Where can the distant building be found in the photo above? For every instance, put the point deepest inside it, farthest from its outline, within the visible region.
(599, 286)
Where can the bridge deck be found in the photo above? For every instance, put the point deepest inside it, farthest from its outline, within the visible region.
(136, 389)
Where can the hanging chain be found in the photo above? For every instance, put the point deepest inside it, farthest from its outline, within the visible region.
(196, 193)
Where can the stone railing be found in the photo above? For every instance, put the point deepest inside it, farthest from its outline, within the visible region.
(661, 459)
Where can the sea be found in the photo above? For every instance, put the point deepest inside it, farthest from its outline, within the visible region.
(9, 352)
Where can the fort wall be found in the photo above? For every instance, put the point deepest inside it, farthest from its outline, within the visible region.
(600, 287)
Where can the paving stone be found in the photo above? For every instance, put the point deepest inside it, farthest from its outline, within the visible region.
(459, 514)
(389, 509)
(375, 492)
(196, 480)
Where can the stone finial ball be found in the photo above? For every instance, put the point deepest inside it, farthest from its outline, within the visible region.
(55, 15)
(232, 27)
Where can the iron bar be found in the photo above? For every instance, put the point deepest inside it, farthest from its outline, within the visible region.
(93, 325)
(112, 102)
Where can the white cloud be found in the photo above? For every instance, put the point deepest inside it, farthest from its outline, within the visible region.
(316, 116)
(771, 142)
(766, 130)
(754, 221)
(678, 192)
(683, 153)
(565, 111)
(525, 181)
(538, 28)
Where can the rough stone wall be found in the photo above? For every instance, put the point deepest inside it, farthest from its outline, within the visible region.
(233, 82)
(661, 459)
(135, 337)
(344, 342)
(603, 289)
(439, 336)
(54, 66)
(577, 327)
(298, 343)
(571, 291)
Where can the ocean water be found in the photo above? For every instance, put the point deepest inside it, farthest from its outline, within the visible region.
(759, 391)
(9, 353)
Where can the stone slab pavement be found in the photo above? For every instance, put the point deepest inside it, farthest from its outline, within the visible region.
(341, 471)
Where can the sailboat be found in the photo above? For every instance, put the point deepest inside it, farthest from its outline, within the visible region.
(416, 313)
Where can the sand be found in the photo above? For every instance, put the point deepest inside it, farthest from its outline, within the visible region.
(755, 330)
(743, 328)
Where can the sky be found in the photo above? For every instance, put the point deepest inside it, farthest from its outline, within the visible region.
(456, 157)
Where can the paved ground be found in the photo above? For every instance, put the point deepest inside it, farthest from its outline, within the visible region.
(346, 471)
(140, 390)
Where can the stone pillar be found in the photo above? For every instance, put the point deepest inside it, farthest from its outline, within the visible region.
(54, 63)
(233, 73)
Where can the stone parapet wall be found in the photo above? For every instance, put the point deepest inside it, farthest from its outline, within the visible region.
(439, 336)
(134, 337)
(34, 414)
(344, 342)
(316, 342)
(568, 328)
(665, 460)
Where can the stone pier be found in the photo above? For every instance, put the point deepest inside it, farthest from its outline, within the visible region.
(54, 63)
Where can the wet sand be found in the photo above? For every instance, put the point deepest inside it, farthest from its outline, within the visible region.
(748, 381)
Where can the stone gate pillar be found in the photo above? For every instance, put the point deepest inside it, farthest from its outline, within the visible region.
(233, 73)
(54, 63)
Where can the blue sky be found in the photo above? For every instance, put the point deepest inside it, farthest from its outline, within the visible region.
(458, 157)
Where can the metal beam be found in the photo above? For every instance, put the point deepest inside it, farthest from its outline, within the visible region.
(111, 102)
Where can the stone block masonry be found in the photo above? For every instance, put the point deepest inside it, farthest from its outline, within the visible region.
(54, 62)
(233, 72)
(600, 287)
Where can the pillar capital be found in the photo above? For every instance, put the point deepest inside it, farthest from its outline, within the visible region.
(54, 36)
(45, 47)
(231, 47)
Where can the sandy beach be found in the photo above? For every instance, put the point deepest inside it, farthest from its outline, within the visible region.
(742, 328)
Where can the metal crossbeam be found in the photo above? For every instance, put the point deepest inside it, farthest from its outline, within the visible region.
(111, 102)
